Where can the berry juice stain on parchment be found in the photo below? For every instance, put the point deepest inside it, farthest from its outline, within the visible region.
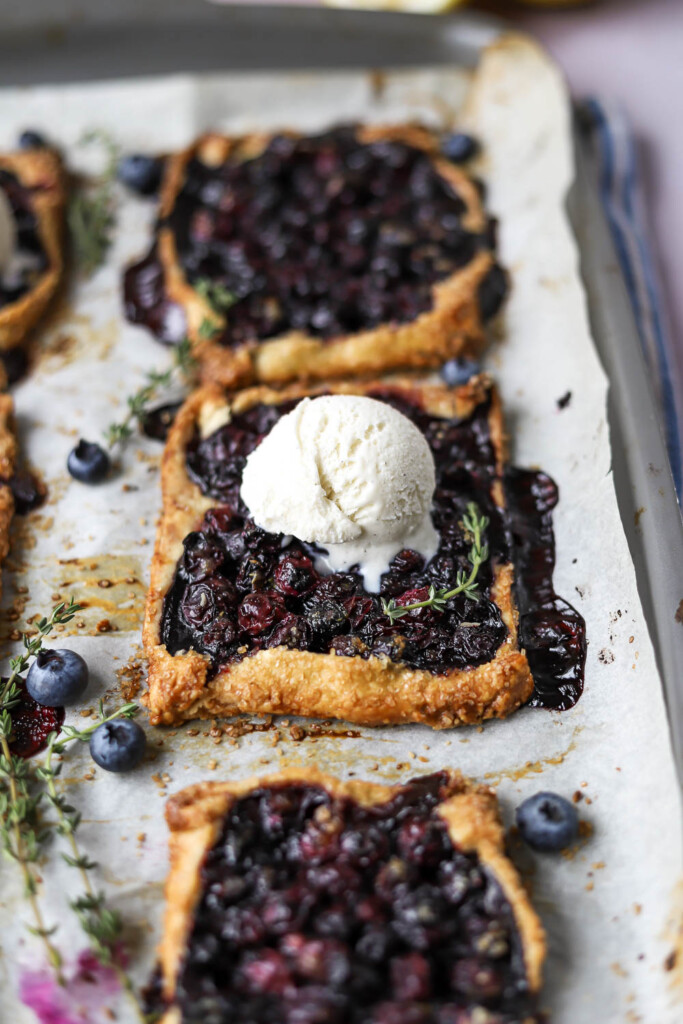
(109, 588)
(68, 336)
(529, 768)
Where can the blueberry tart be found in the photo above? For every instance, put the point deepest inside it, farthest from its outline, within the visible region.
(287, 257)
(300, 898)
(249, 610)
(32, 198)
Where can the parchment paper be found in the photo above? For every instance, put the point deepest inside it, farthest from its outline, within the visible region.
(608, 905)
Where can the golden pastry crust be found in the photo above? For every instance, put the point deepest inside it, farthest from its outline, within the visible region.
(375, 691)
(452, 327)
(8, 458)
(195, 816)
(40, 170)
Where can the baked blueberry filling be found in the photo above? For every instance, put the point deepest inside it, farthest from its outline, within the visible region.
(239, 590)
(315, 909)
(323, 234)
(32, 261)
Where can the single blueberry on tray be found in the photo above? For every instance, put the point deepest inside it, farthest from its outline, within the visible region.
(547, 822)
(140, 173)
(31, 140)
(57, 678)
(88, 462)
(459, 147)
(118, 746)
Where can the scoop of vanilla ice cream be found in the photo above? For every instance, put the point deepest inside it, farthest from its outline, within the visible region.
(8, 232)
(350, 474)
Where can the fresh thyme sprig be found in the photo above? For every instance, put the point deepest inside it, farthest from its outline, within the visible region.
(474, 524)
(90, 214)
(138, 403)
(219, 298)
(216, 294)
(21, 833)
(23, 828)
(101, 925)
(208, 329)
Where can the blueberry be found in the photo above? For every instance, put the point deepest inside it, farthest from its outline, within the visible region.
(57, 678)
(547, 822)
(88, 462)
(31, 140)
(140, 173)
(491, 291)
(459, 147)
(27, 490)
(118, 746)
(458, 371)
(15, 362)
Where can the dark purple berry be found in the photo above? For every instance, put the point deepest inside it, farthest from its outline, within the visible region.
(476, 979)
(459, 147)
(27, 490)
(15, 362)
(258, 612)
(295, 575)
(458, 371)
(411, 978)
(30, 139)
(140, 173)
(492, 291)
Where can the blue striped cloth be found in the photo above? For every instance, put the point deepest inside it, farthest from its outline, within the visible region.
(620, 191)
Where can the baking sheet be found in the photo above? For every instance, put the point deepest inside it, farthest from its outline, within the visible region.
(608, 906)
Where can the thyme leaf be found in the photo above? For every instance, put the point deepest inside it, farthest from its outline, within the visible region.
(474, 525)
(24, 789)
(216, 294)
(91, 210)
(155, 381)
(20, 828)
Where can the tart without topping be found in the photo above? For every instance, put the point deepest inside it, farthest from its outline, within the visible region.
(27, 260)
(298, 898)
(289, 256)
(239, 619)
(32, 185)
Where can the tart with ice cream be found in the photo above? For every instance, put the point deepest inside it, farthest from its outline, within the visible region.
(355, 551)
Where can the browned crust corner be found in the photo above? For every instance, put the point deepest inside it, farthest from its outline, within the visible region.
(194, 817)
(40, 170)
(474, 824)
(376, 691)
(453, 327)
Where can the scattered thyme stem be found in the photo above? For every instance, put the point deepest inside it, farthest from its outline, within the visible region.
(67, 828)
(183, 365)
(30, 881)
(9, 694)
